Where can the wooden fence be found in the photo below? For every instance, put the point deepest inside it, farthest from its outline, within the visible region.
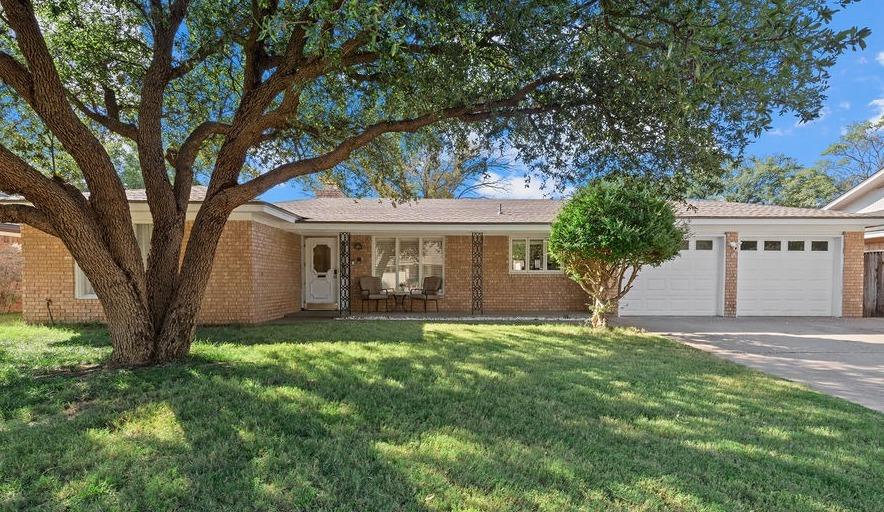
(873, 289)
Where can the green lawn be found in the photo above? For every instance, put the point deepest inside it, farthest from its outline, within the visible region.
(420, 416)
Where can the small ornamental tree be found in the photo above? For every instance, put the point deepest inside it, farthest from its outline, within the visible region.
(606, 233)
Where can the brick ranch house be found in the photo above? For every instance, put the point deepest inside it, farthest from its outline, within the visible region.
(276, 259)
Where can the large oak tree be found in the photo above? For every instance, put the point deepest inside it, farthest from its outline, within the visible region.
(246, 95)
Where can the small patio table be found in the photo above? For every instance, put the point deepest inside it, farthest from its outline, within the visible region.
(399, 300)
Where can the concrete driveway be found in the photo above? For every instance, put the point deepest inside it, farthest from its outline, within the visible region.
(841, 357)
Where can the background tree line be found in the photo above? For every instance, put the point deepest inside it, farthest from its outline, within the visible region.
(782, 180)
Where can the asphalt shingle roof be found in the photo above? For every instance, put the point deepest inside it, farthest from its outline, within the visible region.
(511, 211)
(494, 211)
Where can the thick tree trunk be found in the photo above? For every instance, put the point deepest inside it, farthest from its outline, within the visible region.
(179, 321)
(131, 331)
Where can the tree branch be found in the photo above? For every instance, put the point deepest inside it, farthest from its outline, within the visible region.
(24, 214)
(342, 151)
(114, 124)
(183, 159)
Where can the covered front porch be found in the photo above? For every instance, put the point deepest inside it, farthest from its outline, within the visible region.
(499, 273)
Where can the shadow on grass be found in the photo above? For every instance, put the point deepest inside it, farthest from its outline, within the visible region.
(415, 416)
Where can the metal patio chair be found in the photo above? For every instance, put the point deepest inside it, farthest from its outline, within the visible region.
(429, 292)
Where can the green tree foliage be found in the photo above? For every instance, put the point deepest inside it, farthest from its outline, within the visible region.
(775, 179)
(859, 153)
(607, 232)
(430, 164)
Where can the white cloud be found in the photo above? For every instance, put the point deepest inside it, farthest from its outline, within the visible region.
(516, 187)
(878, 105)
(844, 105)
(779, 132)
(880, 58)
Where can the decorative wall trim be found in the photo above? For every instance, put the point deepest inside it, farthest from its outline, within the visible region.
(344, 273)
(476, 274)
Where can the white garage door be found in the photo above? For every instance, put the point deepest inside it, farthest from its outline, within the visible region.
(786, 276)
(688, 285)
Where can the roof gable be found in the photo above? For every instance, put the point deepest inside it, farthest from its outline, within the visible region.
(866, 187)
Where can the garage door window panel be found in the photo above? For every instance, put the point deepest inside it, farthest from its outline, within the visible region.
(749, 245)
(773, 245)
(796, 245)
(819, 246)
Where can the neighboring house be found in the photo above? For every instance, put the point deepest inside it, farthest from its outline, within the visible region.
(10, 267)
(867, 197)
(275, 259)
(10, 234)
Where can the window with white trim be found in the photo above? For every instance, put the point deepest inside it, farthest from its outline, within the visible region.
(83, 288)
(402, 263)
(531, 255)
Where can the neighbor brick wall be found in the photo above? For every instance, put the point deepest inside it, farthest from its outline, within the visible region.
(852, 284)
(6, 241)
(730, 272)
(9, 240)
(236, 293)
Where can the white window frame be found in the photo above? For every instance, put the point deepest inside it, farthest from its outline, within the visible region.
(527, 271)
(80, 278)
(420, 255)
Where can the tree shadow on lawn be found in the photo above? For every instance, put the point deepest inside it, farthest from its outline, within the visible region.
(516, 418)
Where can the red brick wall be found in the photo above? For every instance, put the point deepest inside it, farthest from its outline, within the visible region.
(852, 284)
(48, 273)
(504, 291)
(730, 273)
(276, 272)
(237, 288)
(229, 294)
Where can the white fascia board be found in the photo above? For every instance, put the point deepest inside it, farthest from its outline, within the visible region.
(257, 212)
(850, 195)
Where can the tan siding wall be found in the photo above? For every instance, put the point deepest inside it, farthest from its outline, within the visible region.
(852, 287)
(238, 291)
(276, 272)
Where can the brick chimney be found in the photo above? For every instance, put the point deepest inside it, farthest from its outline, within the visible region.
(329, 191)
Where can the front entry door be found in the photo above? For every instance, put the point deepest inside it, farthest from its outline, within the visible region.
(321, 286)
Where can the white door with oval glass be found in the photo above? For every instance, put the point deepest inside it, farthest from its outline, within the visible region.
(321, 276)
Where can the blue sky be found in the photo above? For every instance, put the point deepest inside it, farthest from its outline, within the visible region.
(856, 93)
